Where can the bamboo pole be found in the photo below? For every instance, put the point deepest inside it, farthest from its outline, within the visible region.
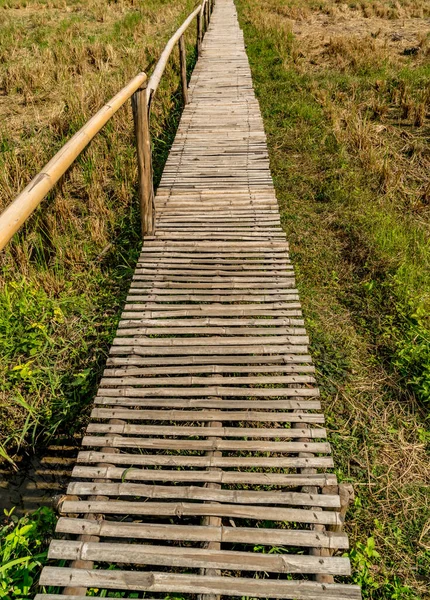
(183, 65)
(144, 160)
(161, 65)
(25, 203)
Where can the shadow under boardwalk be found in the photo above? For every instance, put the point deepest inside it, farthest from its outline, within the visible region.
(205, 468)
(40, 479)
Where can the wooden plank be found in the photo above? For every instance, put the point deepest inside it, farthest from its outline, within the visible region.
(262, 360)
(209, 341)
(244, 535)
(216, 287)
(199, 533)
(208, 403)
(154, 310)
(204, 279)
(132, 301)
(242, 432)
(224, 323)
(183, 509)
(216, 266)
(172, 556)
(238, 247)
(214, 369)
(204, 445)
(285, 480)
(202, 415)
(202, 493)
(186, 583)
(171, 460)
(118, 380)
(172, 350)
(219, 391)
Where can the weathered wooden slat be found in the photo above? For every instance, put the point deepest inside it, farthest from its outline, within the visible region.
(185, 583)
(178, 430)
(208, 403)
(265, 264)
(214, 369)
(285, 480)
(278, 462)
(219, 391)
(119, 380)
(182, 509)
(217, 287)
(204, 280)
(224, 323)
(238, 247)
(212, 445)
(132, 301)
(252, 259)
(279, 359)
(245, 535)
(217, 341)
(206, 350)
(165, 271)
(172, 556)
(204, 415)
(154, 311)
(215, 391)
(202, 493)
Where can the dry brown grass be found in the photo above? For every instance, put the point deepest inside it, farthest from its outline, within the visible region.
(387, 121)
(58, 64)
(60, 61)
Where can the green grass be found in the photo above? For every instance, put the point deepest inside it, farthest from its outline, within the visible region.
(23, 550)
(350, 167)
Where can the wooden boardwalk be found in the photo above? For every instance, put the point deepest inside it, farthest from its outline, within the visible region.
(204, 469)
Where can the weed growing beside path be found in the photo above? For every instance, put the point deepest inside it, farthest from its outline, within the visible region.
(65, 275)
(344, 92)
(23, 551)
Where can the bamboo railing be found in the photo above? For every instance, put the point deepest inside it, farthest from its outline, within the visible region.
(141, 91)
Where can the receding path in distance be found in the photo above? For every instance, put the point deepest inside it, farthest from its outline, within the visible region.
(206, 447)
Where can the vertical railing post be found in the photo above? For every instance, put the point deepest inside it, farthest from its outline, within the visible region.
(183, 65)
(144, 160)
(199, 33)
(206, 15)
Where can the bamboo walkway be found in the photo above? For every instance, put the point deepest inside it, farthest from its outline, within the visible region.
(204, 469)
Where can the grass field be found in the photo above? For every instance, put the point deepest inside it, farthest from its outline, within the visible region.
(64, 277)
(345, 95)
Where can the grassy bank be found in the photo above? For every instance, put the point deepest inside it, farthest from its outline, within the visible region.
(65, 275)
(344, 91)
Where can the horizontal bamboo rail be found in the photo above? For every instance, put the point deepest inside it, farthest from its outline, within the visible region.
(161, 65)
(22, 207)
(15, 215)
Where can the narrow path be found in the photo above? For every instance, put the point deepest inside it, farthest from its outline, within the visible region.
(206, 453)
